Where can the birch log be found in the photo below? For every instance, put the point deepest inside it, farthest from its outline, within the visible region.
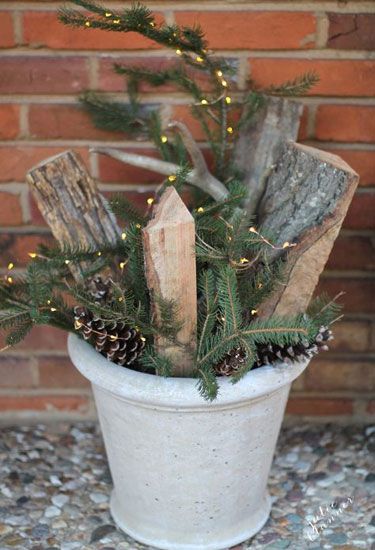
(307, 196)
(169, 252)
(260, 141)
(70, 202)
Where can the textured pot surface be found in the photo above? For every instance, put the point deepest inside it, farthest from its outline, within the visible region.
(188, 474)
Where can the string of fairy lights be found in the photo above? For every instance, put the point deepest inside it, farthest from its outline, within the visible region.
(78, 324)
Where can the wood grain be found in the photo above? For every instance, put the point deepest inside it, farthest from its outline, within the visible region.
(71, 204)
(259, 143)
(307, 196)
(168, 241)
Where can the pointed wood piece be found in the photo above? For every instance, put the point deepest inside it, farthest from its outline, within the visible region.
(308, 194)
(70, 202)
(260, 141)
(169, 242)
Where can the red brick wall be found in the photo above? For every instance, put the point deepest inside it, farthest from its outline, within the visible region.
(43, 66)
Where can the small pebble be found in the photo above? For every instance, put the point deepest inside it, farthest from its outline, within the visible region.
(100, 532)
(98, 498)
(55, 481)
(52, 512)
(59, 524)
(328, 481)
(40, 531)
(60, 500)
(337, 538)
(71, 545)
(5, 530)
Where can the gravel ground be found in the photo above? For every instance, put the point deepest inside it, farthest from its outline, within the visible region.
(55, 484)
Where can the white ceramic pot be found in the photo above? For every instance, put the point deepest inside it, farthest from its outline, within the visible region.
(187, 474)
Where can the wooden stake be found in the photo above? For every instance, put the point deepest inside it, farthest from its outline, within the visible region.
(168, 241)
(71, 204)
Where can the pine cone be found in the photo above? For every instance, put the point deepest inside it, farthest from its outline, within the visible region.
(267, 354)
(231, 362)
(100, 290)
(117, 341)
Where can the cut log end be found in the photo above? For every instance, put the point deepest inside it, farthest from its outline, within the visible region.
(307, 196)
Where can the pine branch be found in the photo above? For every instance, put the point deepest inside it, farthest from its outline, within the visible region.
(323, 310)
(207, 310)
(131, 119)
(298, 86)
(229, 304)
(159, 364)
(207, 384)
(126, 211)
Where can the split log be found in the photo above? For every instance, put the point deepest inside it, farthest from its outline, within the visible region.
(307, 196)
(71, 204)
(260, 141)
(169, 252)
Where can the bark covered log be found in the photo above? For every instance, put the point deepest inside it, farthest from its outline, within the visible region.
(260, 141)
(70, 202)
(307, 196)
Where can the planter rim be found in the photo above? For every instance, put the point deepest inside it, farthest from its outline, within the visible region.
(170, 393)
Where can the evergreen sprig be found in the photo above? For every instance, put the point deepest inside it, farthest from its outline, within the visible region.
(223, 325)
(298, 86)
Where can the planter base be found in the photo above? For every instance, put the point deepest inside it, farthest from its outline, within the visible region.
(255, 524)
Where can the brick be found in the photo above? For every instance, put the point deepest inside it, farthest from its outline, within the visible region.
(9, 121)
(357, 293)
(43, 75)
(310, 406)
(370, 409)
(337, 77)
(253, 30)
(183, 113)
(44, 338)
(363, 162)
(10, 208)
(16, 372)
(361, 212)
(114, 171)
(353, 253)
(350, 336)
(6, 30)
(78, 403)
(65, 122)
(345, 123)
(336, 375)
(58, 372)
(43, 29)
(15, 161)
(351, 31)
(15, 247)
